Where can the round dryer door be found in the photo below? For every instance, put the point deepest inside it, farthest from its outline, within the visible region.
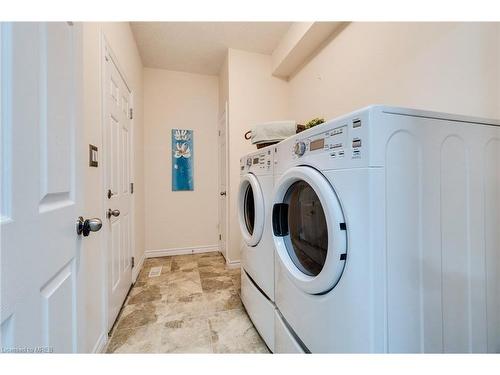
(309, 230)
(251, 209)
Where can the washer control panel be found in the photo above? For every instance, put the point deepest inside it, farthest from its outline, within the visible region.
(257, 162)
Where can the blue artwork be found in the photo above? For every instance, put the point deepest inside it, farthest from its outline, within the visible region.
(182, 159)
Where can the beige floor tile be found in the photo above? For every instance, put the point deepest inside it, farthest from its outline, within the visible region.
(186, 336)
(183, 285)
(211, 284)
(181, 276)
(161, 261)
(211, 261)
(212, 254)
(143, 339)
(213, 271)
(183, 264)
(233, 332)
(192, 307)
(222, 300)
(236, 279)
(147, 293)
(136, 315)
(161, 280)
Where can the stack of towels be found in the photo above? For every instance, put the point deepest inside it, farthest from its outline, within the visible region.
(272, 132)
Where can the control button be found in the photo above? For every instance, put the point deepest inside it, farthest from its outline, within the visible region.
(249, 162)
(300, 148)
(356, 143)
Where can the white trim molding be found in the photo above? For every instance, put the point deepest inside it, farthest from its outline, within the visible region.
(181, 251)
(100, 345)
(137, 267)
(233, 263)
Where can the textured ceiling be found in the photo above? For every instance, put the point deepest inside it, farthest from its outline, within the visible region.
(200, 47)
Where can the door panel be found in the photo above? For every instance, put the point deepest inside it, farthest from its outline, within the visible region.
(41, 157)
(222, 182)
(55, 327)
(117, 177)
(55, 111)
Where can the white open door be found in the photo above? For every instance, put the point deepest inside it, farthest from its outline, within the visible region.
(118, 224)
(41, 189)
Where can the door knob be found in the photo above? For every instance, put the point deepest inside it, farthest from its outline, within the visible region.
(222, 193)
(86, 226)
(113, 213)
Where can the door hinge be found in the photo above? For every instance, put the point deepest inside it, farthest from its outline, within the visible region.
(131, 188)
(131, 113)
(133, 262)
(220, 237)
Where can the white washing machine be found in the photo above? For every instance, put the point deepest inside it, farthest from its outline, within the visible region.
(386, 228)
(257, 251)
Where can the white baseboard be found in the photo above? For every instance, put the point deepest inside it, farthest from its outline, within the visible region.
(180, 251)
(233, 263)
(100, 345)
(137, 267)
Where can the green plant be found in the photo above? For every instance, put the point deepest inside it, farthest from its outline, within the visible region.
(314, 122)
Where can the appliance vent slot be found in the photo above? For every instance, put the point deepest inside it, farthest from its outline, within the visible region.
(155, 271)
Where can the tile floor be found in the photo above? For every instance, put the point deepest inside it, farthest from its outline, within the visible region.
(194, 306)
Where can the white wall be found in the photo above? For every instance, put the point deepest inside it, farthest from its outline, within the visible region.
(123, 45)
(450, 67)
(180, 219)
(254, 96)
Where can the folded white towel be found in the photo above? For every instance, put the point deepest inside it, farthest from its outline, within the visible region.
(274, 131)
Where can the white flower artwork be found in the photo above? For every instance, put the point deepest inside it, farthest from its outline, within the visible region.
(182, 135)
(182, 150)
(182, 160)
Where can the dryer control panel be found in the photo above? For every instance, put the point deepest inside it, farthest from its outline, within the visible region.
(336, 142)
(258, 162)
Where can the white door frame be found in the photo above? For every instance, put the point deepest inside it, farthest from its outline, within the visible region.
(107, 50)
(224, 117)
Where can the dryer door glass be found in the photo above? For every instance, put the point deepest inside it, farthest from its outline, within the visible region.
(308, 232)
(249, 209)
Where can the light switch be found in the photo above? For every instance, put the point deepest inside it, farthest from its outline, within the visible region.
(93, 156)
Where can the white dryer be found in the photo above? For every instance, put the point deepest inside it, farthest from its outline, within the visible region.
(386, 233)
(257, 251)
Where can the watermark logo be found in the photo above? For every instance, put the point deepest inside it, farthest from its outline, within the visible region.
(27, 349)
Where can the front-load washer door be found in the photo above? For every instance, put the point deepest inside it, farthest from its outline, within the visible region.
(309, 228)
(251, 209)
